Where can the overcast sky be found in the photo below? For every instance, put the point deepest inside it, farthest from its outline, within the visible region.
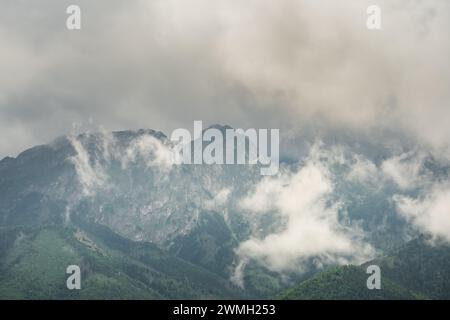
(163, 63)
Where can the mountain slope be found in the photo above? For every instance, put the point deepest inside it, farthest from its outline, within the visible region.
(417, 270)
(33, 264)
(421, 265)
(345, 283)
(173, 231)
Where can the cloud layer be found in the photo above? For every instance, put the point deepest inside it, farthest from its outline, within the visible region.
(430, 213)
(161, 64)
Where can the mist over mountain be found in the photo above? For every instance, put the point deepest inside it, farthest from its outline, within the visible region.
(99, 197)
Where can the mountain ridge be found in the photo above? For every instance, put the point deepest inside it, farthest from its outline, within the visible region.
(190, 212)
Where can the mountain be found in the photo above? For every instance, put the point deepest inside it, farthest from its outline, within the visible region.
(120, 180)
(421, 265)
(417, 270)
(142, 228)
(152, 232)
(344, 283)
(34, 261)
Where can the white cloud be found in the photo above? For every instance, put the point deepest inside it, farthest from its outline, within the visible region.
(406, 170)
(151, 150)
(429, 214)
(90, 165)
(90, 176)
(313, 229)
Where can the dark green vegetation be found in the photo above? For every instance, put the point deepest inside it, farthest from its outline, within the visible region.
(347, 282)
(34, 261)
(418, 270)
(210, 244)
(421, 267)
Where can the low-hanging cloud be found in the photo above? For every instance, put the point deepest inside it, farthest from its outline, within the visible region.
(151, 150)
(423, 197)
(429, 213)
(90, 174)
(312, 229)
(406, 170)
(91, 166)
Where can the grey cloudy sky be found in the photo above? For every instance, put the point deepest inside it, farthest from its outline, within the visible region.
(163, 63)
